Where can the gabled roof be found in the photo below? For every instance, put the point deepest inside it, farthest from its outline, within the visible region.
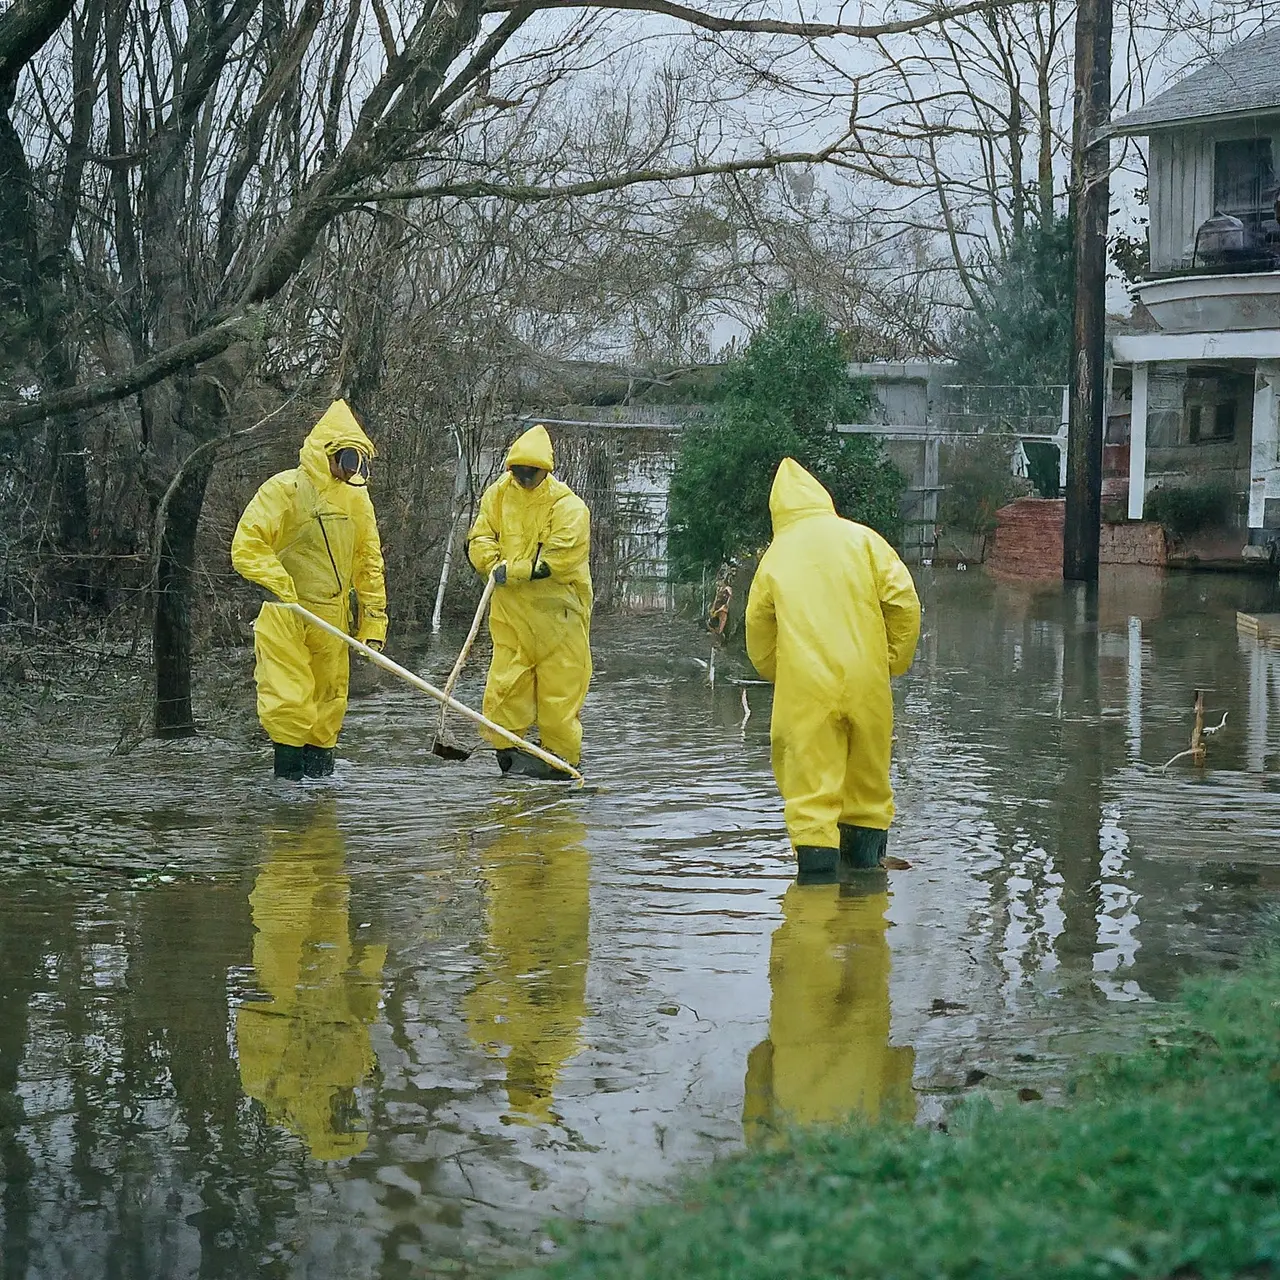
(1242, 80)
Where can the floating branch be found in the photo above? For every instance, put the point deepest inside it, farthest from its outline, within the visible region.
(1199, 733)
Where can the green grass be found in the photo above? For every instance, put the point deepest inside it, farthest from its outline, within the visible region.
(1167, 1163)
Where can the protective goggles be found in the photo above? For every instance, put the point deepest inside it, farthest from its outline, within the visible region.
(353, 463)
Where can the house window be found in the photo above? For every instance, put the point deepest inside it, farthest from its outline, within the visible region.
(1244, 178)
(1212, 421)
(1213, 399)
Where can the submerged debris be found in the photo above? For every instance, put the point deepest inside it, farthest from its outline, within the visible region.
(1199, 733)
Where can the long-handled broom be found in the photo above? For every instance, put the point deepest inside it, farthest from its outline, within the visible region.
(443, 745)
(381, 660)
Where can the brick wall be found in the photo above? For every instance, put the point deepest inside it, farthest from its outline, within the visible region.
(1028, 542)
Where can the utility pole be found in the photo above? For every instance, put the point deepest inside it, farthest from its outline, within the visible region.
(1090, 207)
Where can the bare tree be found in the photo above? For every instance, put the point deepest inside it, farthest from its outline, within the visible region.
(199, 152)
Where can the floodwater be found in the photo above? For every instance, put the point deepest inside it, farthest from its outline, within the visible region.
(389, 1026)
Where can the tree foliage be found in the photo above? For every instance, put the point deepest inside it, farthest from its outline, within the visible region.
(780, 398)
(1020, 334)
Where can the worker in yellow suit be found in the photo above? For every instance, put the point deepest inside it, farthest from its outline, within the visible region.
(306, 1049)
(832, 613)
(530, 1002)
(828, 1053)
(309, 536)
(533, 534)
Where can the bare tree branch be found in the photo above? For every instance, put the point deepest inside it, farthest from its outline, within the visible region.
(575, 190)
(245, 327)
(767, 26)
(26, 26)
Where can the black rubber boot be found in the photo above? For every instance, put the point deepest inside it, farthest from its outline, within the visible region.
(816, 864)
(862, 848)
(513, 761)
(289, 762)
(317, 762)
(543, 771)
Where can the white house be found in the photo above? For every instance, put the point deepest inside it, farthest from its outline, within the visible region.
(1206, 386)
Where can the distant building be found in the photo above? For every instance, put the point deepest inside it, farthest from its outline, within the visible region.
(1195, 401)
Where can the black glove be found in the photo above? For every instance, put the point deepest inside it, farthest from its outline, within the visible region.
(540, 570)
(500, 574)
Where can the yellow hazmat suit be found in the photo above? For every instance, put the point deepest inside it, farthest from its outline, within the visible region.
(305, 1051)
(310, 537)
(530, 1002)
(541, 625)
(828, 1053)
(831, 615)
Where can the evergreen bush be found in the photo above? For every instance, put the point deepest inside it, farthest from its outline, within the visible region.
(780, 398)
(979, 480)
(1019, 334)
(1190, 508)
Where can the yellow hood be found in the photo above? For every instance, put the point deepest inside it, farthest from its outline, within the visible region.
(533, 449)
(338, 429)
(796, 495)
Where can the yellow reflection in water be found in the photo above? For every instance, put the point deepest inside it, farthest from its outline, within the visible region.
(305, 1050)
(530, 1002)
(828, 1052)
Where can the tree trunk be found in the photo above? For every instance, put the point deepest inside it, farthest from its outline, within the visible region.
(1044, 162)
(73, 486)
(175, 590)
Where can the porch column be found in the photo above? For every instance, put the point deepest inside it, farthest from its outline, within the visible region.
(1061, 440)
(1138, 442)
(1264, 456)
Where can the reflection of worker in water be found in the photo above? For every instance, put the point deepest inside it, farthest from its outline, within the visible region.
(533, 534)
(828, 1053)
(305, 1050)
(831, 615)
(530, 1001)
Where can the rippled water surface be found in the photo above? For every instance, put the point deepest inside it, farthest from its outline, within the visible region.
(390, 1025)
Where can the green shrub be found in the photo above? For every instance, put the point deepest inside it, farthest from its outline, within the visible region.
(778, 399)
(1189, 509)
(979, 480)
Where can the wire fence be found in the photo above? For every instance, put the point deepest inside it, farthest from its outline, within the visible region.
(622, 471)
(1020, 410)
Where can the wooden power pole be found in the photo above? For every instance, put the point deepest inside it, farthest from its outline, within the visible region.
(1090, 207)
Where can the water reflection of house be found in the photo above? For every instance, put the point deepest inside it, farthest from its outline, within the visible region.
(1196, 400)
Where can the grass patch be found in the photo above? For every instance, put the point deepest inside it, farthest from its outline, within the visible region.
(1166, 1164)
